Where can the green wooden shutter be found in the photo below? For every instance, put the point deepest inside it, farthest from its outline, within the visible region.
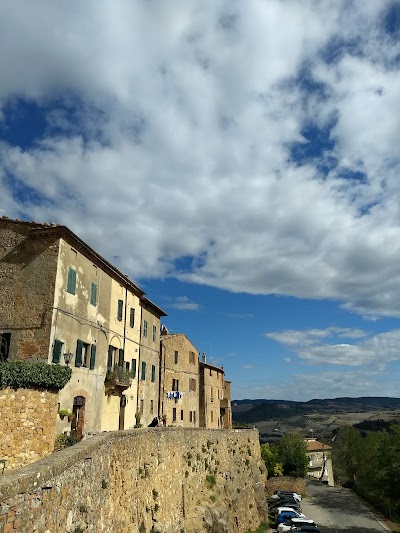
(71, 281)
(78, 356)
(120, 309)
(93, 294)
(133, 369)
(132, 318)
(57, 351)
(92, 356)
(110, 358)
(120, 357)
(153, 373)
(143, 376)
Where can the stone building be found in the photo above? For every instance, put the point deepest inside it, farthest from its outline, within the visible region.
(319, 461)
(63, 303)
(213, 414)
(192, 393)
(179, 381)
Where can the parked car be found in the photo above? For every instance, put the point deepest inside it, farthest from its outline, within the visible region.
(295, 522)
(282, 498)
(279, 493)
(284, 516)
(306, 529)
(293, 504)
(276, 512)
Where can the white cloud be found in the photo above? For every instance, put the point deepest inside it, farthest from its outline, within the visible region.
(318, 347)
(248, 366)
(169, 131)
(183, 303)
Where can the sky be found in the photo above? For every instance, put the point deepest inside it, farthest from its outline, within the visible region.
(239, 160)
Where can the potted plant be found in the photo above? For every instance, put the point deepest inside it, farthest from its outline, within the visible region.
(63, 413)
(71, 416)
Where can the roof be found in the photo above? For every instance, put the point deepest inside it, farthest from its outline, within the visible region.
(314, 445)
(59, 231)
(213, 367)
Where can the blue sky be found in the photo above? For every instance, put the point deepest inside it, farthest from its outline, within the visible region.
(239, 160)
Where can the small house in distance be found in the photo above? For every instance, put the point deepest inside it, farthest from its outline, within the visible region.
(319, 461)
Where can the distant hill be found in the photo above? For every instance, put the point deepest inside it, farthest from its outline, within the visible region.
(247, 411)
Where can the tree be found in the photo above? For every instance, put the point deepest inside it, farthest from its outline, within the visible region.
(292, 452)
(269, 454)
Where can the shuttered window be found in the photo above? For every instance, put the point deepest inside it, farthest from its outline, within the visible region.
(71, 281)
(154, 333)
(110, 360)
(143, 376)
(93, 294)
(145, 325)
(133, 370)
(120, 308)
(57, 349)
(132, 317)
(176, 357)
(120, 358)
(78, 356)
(153, 373)
(92, 356)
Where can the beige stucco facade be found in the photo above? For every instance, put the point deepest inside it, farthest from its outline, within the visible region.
(65, 304)
(212, 391)
(179, 395)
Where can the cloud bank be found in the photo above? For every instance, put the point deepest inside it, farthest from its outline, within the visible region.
(248, 146)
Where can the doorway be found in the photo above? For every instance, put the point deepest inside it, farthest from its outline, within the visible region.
(122, 405)
(78, 423)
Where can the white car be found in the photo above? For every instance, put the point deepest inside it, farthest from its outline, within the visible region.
(295, 522)
(280, 510)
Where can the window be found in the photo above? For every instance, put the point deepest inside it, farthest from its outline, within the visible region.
(154, 333)
(57, 351)
(132, 317)
(190, 416)
(112, 355)
(181, 414)
(120, 358)
(212, 416)
(192, 384)
(153, 373)
(175, 384)
(141, 406)
(145, 326)
(133, 368)
(151, 407)
(71, 281)
(192, 358)
(176, 357)
(174, 414)
(93, 294)
(127, 366)
(212, 395)
(210, 372)
(194, 417)
(120, 309)
(5, 340)
(85, 354)
(143, 376)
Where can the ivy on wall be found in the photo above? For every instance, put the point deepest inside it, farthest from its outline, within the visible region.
(25, 375)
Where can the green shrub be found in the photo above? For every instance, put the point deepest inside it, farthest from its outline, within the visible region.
(211, 480)
(26, 375)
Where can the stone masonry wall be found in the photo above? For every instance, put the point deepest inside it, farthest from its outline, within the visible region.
(27, 425)
(165, 480)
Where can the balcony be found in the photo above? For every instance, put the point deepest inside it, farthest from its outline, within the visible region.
(118, 379)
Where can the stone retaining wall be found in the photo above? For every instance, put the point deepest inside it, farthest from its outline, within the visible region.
(165, 480)
(27, 425)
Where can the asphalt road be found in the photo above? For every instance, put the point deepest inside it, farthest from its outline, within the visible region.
(336, 509)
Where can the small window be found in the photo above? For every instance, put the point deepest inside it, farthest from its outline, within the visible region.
(154, 333)
(194, 417)
(181, 414)
(175, 384)
(210, 372)
(111, 361)
(151, 407)
(190, 416)
(83, 352)
(120, 358)
(145, 326)
(93, 294)
(143, 376)
(141, 406)
(57, 351)
(132, 317)
(153, 373)
(212, 416)
(174, 414)
(192, 384)
(71, 281)
(120, 309)
(133, 368)
(192, 358)
(127, 365)
(176, 357)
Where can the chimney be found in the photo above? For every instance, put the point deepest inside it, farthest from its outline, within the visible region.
(203, 358)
